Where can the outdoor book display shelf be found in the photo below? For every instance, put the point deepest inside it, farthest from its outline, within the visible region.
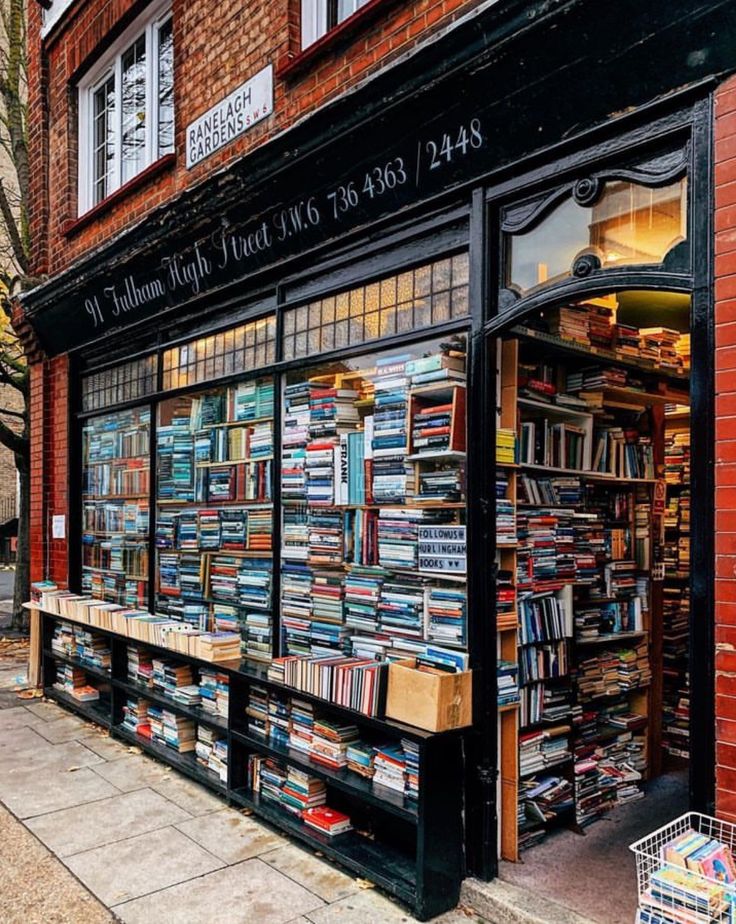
(411, 847)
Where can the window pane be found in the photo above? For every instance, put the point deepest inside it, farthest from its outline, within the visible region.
(133, 152)
(628, 225)
(115, 487)
(103, 138)
(165, 89)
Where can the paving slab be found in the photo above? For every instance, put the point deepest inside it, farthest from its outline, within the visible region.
(314, 873)
(104, 745)
(45, 791)
(47, 711)
(134, 772)
(17, 717)
(40, 755)
(231, 836)
(65, 729)
(188, 795)
(73, 830)
(248, 893)
(129, 869)
(36, 886)
(371, 906)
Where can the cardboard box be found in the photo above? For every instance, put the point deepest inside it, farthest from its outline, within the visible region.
(434, 702)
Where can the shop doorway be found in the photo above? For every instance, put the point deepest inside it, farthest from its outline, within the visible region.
(595, 519)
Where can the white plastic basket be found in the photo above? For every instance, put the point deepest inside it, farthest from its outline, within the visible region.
(649, 852)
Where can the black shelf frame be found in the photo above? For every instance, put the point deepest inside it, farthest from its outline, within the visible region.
(416, 851)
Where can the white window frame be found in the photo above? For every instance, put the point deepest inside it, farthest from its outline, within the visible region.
(314, 19)
(149, 24)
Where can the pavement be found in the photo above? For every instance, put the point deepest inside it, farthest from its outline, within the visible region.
(92, 830)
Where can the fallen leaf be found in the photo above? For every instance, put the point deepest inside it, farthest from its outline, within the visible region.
(30, 694)
(246, 811)
(73, 769)
(364, 884)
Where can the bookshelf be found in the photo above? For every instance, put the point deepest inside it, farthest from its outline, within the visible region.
(373, 557)
(212, 721)
(214, 511)
(577, 606)
(115, 506)
(676, 591)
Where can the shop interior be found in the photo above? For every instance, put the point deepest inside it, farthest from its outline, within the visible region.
(593, 600)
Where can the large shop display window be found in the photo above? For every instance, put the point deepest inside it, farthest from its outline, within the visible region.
(214, 514)
(373, 557)
(115, 505)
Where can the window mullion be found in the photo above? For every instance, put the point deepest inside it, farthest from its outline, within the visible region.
(118, 97)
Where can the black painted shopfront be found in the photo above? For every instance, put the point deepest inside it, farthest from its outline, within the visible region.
(291, 266)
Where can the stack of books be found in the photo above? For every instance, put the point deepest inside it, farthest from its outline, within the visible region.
(505, 446)
(73, 681)
(211, 752)
(135, 717)
(507, 674)
(214, 692)
(352, 682)
(391, 474)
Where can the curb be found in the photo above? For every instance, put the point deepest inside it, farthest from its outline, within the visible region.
(499, 902)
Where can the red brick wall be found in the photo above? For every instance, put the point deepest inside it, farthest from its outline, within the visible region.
(725, 373)
(216, 48)
(49, 467)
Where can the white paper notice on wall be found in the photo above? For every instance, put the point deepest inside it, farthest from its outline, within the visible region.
(231, 117)
(58, 526)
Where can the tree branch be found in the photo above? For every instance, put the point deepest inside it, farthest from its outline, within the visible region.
(12, 440)
(12, 230)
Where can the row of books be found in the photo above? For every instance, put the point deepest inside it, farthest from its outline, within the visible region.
(130, 519)
(117, 553)
(122, 478)
(289, 722)
(123, 435)
(233, 444)
(77, 642)
(355, 683)
(144, 626)
(73, 681)
(297, 792)
(179, 481)
(114, 587)
(614, 672)
(323, 609)
(594, 324)
(209, 529)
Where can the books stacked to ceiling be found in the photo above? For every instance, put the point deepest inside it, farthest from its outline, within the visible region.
(392, 475)
(211, 751)
(569, 323)
(295, 436)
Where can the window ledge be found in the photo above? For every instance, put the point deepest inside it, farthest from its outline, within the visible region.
(294, 63)
(72, 226)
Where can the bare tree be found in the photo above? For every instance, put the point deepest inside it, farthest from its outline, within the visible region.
(14, 269)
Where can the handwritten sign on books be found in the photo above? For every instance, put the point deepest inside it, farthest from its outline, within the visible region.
(443, 549)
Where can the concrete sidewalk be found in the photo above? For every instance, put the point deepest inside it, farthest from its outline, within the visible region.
(152, 845)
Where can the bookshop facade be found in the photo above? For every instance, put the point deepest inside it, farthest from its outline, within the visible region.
(450, 402)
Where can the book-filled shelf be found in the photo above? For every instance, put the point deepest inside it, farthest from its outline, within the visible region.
(373, 557)
(353, 786)
(214, 511)
(583, 452)
(115, 506)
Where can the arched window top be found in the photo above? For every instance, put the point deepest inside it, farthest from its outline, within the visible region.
(605, 221)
